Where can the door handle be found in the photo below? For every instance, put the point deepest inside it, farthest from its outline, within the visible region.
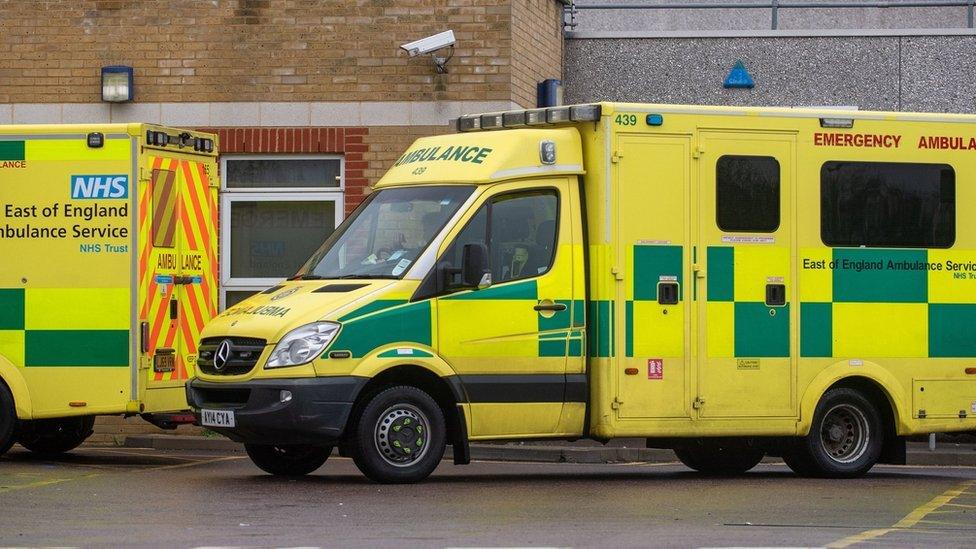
(550, 307)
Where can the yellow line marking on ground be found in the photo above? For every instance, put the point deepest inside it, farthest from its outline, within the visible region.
(43, 483)
(909, 520)
(193, 464)
(965, 505)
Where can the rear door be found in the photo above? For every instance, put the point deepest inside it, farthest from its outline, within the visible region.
(178, 262)
(744, 274)
(653, 231)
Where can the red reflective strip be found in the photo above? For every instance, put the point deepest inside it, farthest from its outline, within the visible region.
(157, 326)
(191, 240)
(144, 203)
(190, 348)
(211, 277)
(195, 307)
(146, 305)
(202, 225)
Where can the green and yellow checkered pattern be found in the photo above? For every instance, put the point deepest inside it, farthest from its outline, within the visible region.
(64, 327)
(886, 303)
(739, 323)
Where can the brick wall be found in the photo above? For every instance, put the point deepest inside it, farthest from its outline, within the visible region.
(270, 50)
(345, 141)
(537, 46)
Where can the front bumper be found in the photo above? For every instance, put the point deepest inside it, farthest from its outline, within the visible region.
(316, 414)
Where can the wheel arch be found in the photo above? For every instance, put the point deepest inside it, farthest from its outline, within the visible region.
(11, 377)
(449, 397)
(885, 402)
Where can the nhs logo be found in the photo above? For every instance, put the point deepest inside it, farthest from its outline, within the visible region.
(99, 186)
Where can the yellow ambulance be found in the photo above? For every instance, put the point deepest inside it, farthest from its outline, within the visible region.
(729, 282)
(107, 275)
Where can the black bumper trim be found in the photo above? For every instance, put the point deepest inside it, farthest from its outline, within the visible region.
(519, 388)
(317, 412)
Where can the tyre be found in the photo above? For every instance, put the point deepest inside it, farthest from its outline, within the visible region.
(713, 458)
(8, 419)
(55, 436)
(288, 461)
(399, 437)
(845, 438)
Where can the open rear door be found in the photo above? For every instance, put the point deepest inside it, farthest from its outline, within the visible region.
(178, 271)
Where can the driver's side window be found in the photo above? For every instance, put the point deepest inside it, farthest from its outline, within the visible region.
(519, 230)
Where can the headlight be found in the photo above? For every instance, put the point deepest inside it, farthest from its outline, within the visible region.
(302, 345)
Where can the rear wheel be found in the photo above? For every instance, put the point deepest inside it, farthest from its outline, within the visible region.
(288, 460)
(845, 439)
(55, 436)
(399, 437)
(8, 419)
(714, 458)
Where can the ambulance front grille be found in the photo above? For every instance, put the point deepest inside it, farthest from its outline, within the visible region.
(238, 358)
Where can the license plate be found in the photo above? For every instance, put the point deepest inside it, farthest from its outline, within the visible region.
(164, 362)
(217, 418)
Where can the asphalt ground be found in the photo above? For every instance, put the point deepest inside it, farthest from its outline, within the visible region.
(115, 497)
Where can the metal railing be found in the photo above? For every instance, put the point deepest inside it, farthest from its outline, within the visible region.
(774, 6)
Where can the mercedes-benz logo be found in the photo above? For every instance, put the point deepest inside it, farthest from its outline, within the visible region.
(222, 355)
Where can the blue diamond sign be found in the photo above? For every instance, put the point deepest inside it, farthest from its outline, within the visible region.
(739, 77)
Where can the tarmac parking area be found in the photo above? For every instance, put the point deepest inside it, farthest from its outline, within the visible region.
(147, 497)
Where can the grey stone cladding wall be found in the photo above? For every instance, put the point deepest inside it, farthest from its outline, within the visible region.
(895, 73)
(676, 19)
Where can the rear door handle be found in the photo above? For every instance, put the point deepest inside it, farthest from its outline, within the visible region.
(552, 307)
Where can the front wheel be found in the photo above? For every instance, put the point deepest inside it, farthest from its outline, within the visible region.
(400, 436)
(845, 439)
(287, 460)
(55, 436)
(713, 458)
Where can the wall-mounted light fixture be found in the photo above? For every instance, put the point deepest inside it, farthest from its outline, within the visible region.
(432, 44)
(117, 84)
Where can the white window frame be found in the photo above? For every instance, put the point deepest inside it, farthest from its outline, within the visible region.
(229, 195)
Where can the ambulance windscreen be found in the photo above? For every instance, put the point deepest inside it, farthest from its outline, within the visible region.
(386, 234)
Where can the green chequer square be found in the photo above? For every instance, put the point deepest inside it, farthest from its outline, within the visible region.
(11, 308)
(721, 273)
(880, 276)
(816, 329)
(951, 330)
(601, 329)
(76, 348)
(552, 347)
(650, 264)
(760, 334)
(11, 150)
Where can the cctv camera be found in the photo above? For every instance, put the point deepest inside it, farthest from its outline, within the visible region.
(431, 43)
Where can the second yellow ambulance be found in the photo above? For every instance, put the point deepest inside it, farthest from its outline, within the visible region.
(107, 275)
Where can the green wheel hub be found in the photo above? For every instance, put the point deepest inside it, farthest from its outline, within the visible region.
(401, 435)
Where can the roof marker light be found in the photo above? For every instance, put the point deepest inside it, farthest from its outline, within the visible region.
(557, 114)
(492, 120)
(469, 123)
(535, 117)
(584, 113)
(513, 119)
(655, 119)
(836, 122)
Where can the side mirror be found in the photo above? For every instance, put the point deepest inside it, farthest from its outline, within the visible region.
(474, 266)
